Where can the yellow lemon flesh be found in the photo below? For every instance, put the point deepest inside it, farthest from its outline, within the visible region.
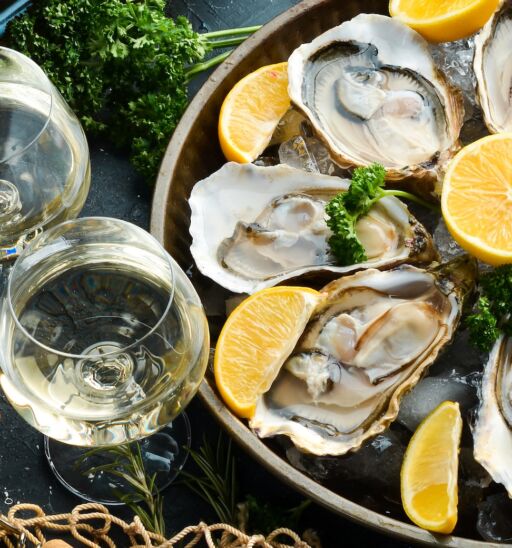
(255, 341)
(477, 198)
(251, 112)
(429, 471)
(443, 20)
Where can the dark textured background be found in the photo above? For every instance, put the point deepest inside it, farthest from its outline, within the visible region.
(118, 192)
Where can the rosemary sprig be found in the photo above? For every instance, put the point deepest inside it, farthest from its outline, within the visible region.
(127, 464)
(217, 483)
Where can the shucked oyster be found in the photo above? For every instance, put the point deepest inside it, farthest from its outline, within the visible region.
(371, 342)
(373, 94)
(492, 433)
(253, 227)
(493, 69)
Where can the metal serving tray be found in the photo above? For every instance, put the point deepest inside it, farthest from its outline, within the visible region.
(194, 153)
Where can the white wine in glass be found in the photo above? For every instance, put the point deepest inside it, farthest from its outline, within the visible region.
(44, 157)
(105, 340)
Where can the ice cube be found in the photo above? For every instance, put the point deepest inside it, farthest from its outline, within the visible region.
(288, 127)
(460, 361)
(455, 60)
(431, 392)
(294, 153)
(445, 244)
(316, 467)
(473, 481)
(308, 153)
(376, 465)
(319, 152)
(495, 518)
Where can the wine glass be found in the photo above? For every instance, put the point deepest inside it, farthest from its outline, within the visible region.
(44, 157)
(104, 341)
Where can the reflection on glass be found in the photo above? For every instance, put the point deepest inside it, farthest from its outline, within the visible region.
(104, 338)
(44, 158)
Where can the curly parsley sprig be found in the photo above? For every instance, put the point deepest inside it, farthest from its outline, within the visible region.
(493, 313)
(346, 208)
(122, 66)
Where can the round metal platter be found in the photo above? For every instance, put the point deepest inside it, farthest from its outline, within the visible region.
(194, 153)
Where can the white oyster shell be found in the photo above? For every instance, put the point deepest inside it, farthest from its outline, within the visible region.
(493, 70)
(253, 227)
(372, 92)
(492, 433)
(371, 342)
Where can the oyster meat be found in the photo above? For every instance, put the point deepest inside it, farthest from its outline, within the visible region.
(492, 433)
(372, 92)
(253, 227)
(493, 70)
(372, 340)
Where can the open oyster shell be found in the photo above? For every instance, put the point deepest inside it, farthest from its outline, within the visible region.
(370, 342)
(493, 69)
(253, 227)
(492, 433)
(372, 92)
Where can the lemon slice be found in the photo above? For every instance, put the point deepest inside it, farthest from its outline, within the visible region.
(429, 471)
(251, 112)
(443, 20)
(256, 340)
(477, 198)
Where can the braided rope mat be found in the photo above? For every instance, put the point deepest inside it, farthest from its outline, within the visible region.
(16, 531)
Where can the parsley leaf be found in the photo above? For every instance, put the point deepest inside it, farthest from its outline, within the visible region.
(344, 242)
(367, 183)
(494, 309)
(345, 209)
(483, 326)
(121, 65)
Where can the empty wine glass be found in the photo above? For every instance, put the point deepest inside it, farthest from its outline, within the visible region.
(104, 341)
(44, 157)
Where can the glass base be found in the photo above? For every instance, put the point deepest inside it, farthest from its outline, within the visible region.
(163, 453)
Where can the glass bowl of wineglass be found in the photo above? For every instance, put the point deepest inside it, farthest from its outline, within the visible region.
(105, 342)
(44, 157)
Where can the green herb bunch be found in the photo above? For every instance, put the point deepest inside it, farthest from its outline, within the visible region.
(493, 313)
(143, 498)
(346, 208)
(121, 65)
(214, 480)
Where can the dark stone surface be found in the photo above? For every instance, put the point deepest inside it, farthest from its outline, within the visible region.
(117, 191)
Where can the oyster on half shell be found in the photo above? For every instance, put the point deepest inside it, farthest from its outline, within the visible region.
(372, 92)
(253, 227)
(492, 433)
(371, 341)
(493, 69)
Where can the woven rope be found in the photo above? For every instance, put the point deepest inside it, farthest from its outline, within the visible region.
(77, 524)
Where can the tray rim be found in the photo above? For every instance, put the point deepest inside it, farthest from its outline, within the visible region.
(237, 429)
